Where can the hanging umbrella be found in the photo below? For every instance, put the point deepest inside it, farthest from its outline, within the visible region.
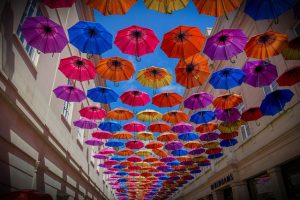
(154, 145)
(182, 42)
(111, 7)
(175, 116)
(229, 127)
(227, 136)
(92, 112)
(225, 44)
(173, 145)
(203, 116)
(165, 6)
(136, 40)
(227, 101)
(110, 126)
(182, 127)
(228, 115)
(85, 123)
(44, 34)
(93, 142)
(167, 137)
(290, 77)
(134, 127)
(214, 150)
(90, 37)
(166, 99)
(135, 98)
(159, 127)
(189, 136)
(77, 68)
(180, 152)
(198, 100)
(120, 114)
(110, 162)
(122, 135)
(124, 152)
(114, 143)
(192, 144)
(192, 71)
(275, 102)
(69, 93)
(134, 159)
(102, 135)
(266, 45)
(143, 152)
(228, 142)
(100, 157)
(267, 10)
(107, 151)
(145, 135)
(197, 151)
(292, 52)
(209, 136)
(102, 95)
(150, 159)
(252, 114)
(227, 78)
(149, 115)
(208, 127)
(215, 156)
(159, 152)
(134, 144)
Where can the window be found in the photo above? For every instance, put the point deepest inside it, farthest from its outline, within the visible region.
(31, 9)
(261, 187)
(68, 109)
(80, 135)
(245, 129)
(270, 88)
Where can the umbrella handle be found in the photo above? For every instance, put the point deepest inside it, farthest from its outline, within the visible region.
(232, 61)
(89, 56)
(154, 91)
(257, 123)
(138, 58)
(116, 84)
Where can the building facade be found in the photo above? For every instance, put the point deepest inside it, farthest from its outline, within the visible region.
(40, 148)
(265, 164)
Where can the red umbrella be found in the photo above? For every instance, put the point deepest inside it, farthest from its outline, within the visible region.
(93, 112)
(135, 98)
(228, 136)
(102, 135)
(134, 144)
(58, 3)
(134, 127)
(289, 77)
(134, 159)
(159, 127)
(252, 114)
(213, 151)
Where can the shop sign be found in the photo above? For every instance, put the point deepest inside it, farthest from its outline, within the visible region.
(221, 182)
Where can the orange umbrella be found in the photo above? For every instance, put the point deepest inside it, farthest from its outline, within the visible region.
(167, 99)
(266, 45)
(157, 163)
(160, 153)
(115, 69)
(167, 137)
(184, 158)
(204, 128)
(111, 7)
(192, 145)
(150, 159)
(146, 174)
(126, 163)
(199, 159)
(144, 135)
(124, 152)
(120, 114)
(227, 101)
(193, 71)
(154, 145)
(123, 135)
(159, 127)
(182, 42)
(175, 116)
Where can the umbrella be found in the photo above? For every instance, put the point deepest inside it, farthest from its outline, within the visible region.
(228, 142)
(150, 159)
(134, 127)
(267, 10)
(159, 152)
(135, 98)
(167, 99)
(292, 52)
(108, 7)
(174, 163)
(110, 126)
(182, 127)
(227, 101)
(124, 152)
(192, 145)
(208, 127)
(134, 144)
(252, 114)
(92, 112)
(225, 44)
(69, 93)
(110, 162)
(102, 135)
(149, 115)
(114, 143)
(159, 127)
(102, 95)
(198, 100)
(266, 45)
(259, 73)
(85, 123)
(121, 173)
(77, 68)
(214, 150)
(188, 136)
(204, 163)
(122, 135)
(120, 114)
(100, 157)
(229, 127)
(107, 151)
(90, 37)
(202, 117)
(165, 6)
(134, 159)
(227, 136)
(154, 145)
(136, 40)
(290, 77)
(196, 171)
(275, 101)
(175, 116)
(228, 115)
(173, 145)
(143, 152)
(59, 4)
(227, 78)
(93, 142)
(167, 137)
(197, 151)
(210, 136)
(180, 152)
(145, 135)
(215, 156)
(168, 159)
(182, 42)
(44, 34)
(192, 71)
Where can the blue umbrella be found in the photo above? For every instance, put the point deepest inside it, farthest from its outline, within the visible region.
(110, 126)
(114, 143)
(90, 37)
(102, 95)
(203, 117)
(197, 171)
(119, 166)
(260, 9)
(228, 143)
(188, 136)
(163, 178)
(122, 180)
(118, 158)
(168, 170)
(227, 78)
(215, 156)
(179, 152)
(121, 173)
(274, 102)
(174, 163)
(203, 164)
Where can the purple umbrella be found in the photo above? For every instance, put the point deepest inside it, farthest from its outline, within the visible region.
(198, 100)
(168, 159)
(44, 34)
(173, 145)
(69, 93)
(228, 115)
(174, 178)
(158, 174)
(85, 123)
(108, 172)
(163, 167)
(197, 151)
(209, 136)
(100, 156)
(182, 127)
(225, 44)
(94, 142)
(259, 73)
(187, 162)
(103, 165)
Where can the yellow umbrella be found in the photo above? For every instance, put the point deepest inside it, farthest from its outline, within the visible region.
(199, 158)
(149, 115)
(142, 164)
(145, 135)
(143, 152)
(229, 127)
(166, 6)
(211, 145)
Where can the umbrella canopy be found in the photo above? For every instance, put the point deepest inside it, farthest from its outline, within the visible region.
(252, 114)
(175, 116)
(154, 77)
(275, 102)
(159, 152)
(69, 93)
(120, 114)
(292, 52)
(228, 115)
(192, 71)
(107, 151)
(173, 145)
(124, 152)
(192, 144)
(59, 4)
(77, 68)
(229, 127)
(189, 136)
(227, 136)
(182, 42)
(102, 95)
(154, 145)
(134, 144)
(134, 126)
(227, 78)
(93, 142)
(179, 152)
(215, 156)
(208, 127)
(114, 143)
(198, 100)
(134, 159)
(149, 115)
(289, 77)
(197, 151)
(144, 135)
(225, 44)
(85, 123)
(90, 37)
(209, 136)
(227, 101)
(213, 150)
(136, 40)
(159, 127)
(182, 127)
(165, 6)
(202, 117)
(122, 135)
(102, 135)
(167, 99)
(110, 126)
(228, 142)
(108, 7)
(135, 98)
(167, 137)
(150, 159)
(92, 112)
(143, 152)
(266, 45)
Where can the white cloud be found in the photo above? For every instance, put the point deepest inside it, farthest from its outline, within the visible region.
(176, 88)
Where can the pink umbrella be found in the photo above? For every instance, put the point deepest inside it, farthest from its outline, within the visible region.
(69, 93)
(94, 142)
(134, 127)
(85, 123)
(111, 162)
(107, 151)
(134, 159)
(102, 135)
(135, 98)
(93, 112)
(182, 127)
(134, 144)
(136, 40)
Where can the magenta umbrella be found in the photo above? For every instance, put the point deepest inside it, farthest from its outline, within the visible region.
(107, 151)
(168, 159)
(134, 127)
(198, 100)
(103, 166)
(102, 134)
(228, 115)
(108, 172)
(111, 162)
(94, 142)
(85, 123)
(44, 34)
(134, 159)
(92, 112)
(135, 98)
(134, 144)
(182, 127)
(259, 73)
(100, 156)
(69, 93)
(209, 136)
(174, 145)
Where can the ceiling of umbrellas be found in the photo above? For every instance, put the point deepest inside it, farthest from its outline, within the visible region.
(153, 155)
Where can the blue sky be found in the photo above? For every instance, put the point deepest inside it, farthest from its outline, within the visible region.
(160, 24)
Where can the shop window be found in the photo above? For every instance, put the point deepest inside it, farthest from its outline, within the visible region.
(270, 88)
(291, 177)
(261, 187)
